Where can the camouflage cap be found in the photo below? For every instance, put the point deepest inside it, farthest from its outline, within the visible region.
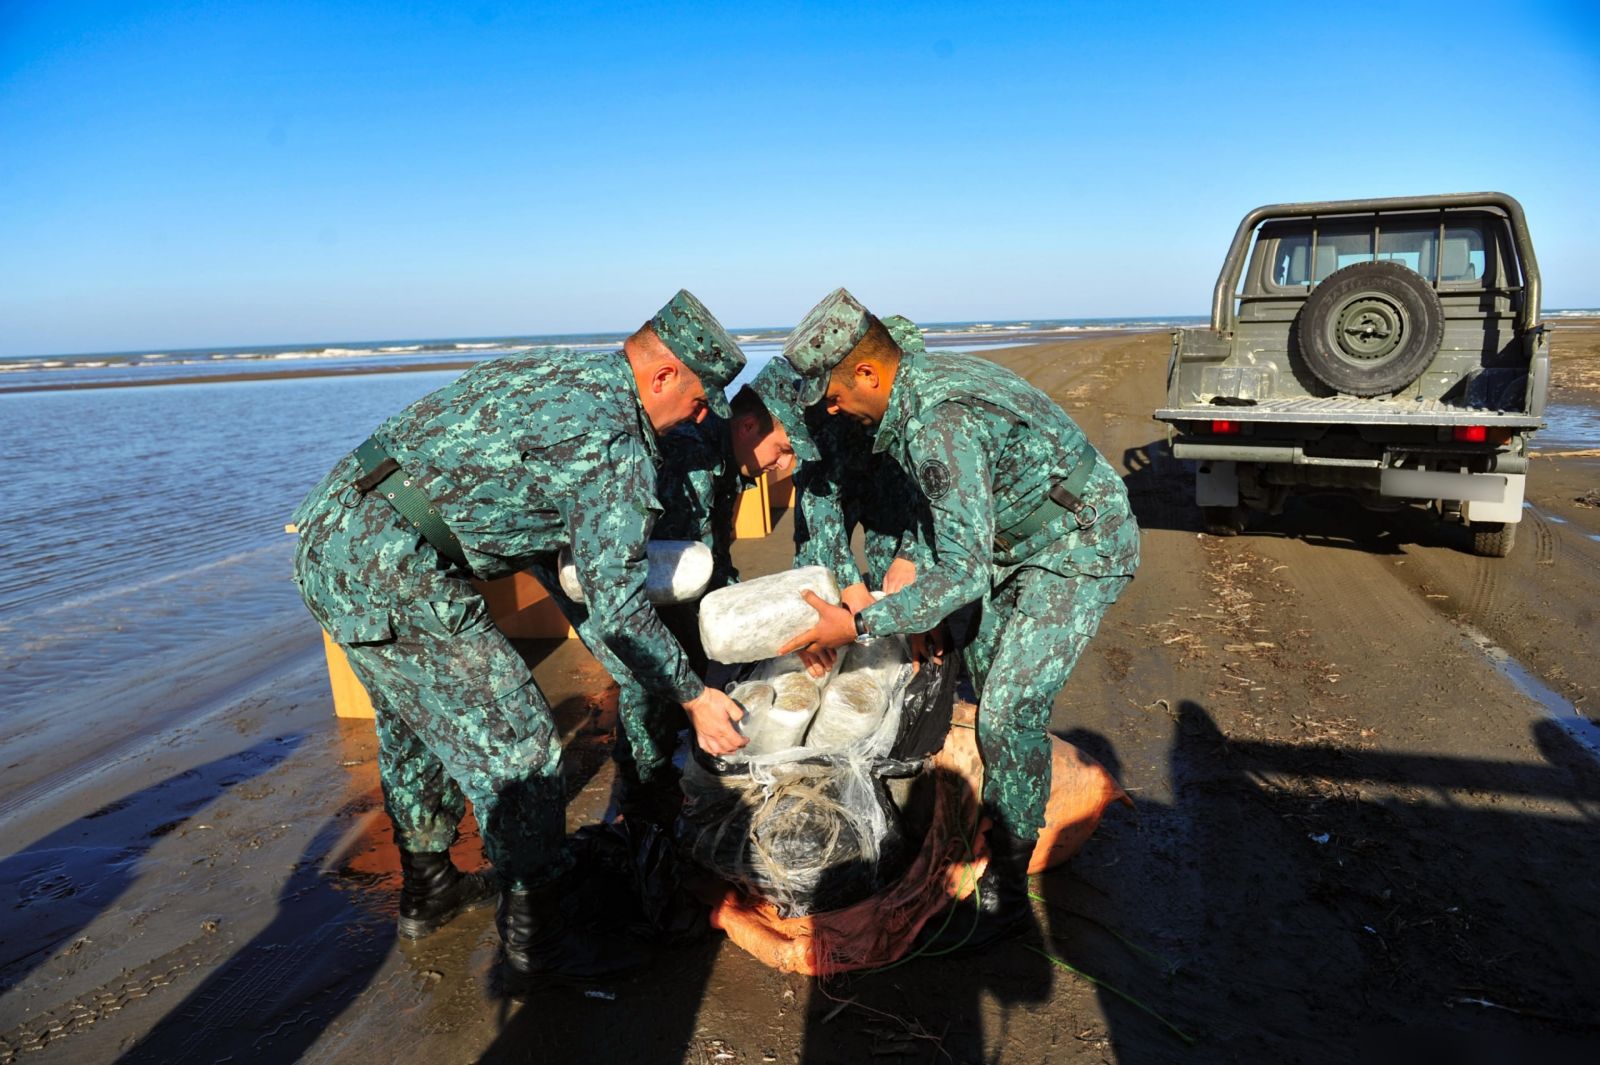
(779, 387)
(822, 340)
(905, 333)
(691, 333)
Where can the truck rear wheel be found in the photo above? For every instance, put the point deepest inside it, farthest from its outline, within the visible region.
(1371, 328)
(1223, 521)
(1493, 539)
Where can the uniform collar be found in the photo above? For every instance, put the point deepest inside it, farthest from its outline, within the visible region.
(902, 404)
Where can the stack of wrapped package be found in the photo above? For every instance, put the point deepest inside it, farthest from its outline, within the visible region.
(800, 816)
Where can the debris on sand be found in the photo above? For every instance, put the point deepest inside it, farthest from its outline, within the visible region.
(1590, 498)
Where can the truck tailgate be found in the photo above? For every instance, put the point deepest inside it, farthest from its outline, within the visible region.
(1351, 411)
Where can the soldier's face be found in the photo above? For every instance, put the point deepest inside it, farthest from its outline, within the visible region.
(758, 452)
(859, 391)
(673, 395)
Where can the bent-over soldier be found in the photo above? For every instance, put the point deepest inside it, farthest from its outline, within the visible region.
(496, 472)
(1029, 520)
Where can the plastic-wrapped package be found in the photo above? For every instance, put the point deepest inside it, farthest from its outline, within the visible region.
(882, 656)
(854, 701)
(748, 622)
(679, 571)
(851, 708)
(777, 714)
(757, 698)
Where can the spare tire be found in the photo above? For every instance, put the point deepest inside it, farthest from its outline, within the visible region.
(1370, 328)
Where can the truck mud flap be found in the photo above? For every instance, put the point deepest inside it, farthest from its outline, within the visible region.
(1484, 496)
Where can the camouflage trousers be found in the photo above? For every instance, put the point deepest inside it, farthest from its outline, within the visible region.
(457, 712)
(1030, 634)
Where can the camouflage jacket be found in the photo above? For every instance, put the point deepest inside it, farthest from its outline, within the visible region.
(985, 447)
(850, 483)
(532, 452)
(698, 486)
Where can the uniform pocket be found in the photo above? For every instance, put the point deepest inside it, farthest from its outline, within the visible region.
(365, 627)
(1043, 594)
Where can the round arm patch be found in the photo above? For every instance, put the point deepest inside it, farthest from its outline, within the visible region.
(934, 478)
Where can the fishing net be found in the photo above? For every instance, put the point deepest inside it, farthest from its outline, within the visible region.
(946, 863)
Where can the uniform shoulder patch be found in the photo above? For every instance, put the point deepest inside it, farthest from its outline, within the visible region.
(934, 478)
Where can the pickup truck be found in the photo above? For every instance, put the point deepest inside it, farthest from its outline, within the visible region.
(1388, 349)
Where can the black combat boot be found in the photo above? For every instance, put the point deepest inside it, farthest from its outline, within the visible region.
(540, 945)
(1000, 907)
(433, 891)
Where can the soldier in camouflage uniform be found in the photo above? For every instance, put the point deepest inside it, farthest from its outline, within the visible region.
(698, 485)
(519, 457)
(1029, 520)
(844, 484)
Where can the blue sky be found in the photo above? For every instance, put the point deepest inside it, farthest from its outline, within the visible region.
(177, 175)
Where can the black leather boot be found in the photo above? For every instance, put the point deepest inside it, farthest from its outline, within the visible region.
(1000, 907)
(540, 945)
(433, 891)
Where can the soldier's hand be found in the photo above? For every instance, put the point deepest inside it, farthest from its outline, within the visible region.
(712, 714)
(931, 645)
(902, 572)
(836, 626)
(857, 597)
(819, 662)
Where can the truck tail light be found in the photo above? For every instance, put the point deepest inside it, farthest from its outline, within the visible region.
(1471, 434)
(1222, 427)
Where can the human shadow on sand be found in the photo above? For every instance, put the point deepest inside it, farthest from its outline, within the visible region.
(62, 882)
(276, 996)
(1321, 901)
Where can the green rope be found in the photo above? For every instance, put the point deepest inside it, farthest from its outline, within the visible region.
(1166, 964)
(1129, 999)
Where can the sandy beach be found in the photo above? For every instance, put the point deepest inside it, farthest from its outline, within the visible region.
(1365, 766)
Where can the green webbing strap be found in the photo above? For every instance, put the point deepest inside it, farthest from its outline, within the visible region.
(1065, 497)
(410, 503)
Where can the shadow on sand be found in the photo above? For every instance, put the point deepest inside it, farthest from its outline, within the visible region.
(62, 882)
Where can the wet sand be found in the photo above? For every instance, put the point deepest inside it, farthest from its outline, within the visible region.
(1359, 833)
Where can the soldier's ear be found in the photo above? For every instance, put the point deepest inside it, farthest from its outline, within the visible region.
(663, 375)
(869, 372)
